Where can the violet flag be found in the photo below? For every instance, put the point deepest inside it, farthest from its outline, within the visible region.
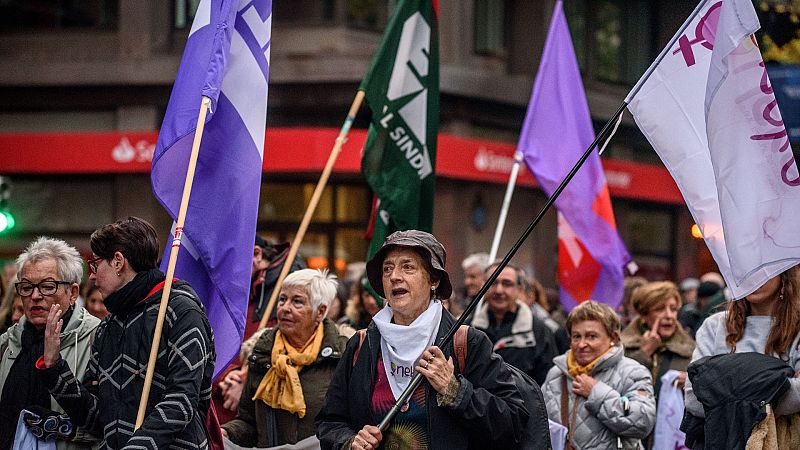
(556, 132)
(226, 59)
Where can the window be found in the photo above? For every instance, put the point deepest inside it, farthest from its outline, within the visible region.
(184, 13)
(21, 15)
(650, 241)
(362, 14)
(612, 38)
(490, 32)
(309, 12)
(335, 235)
(368, 14)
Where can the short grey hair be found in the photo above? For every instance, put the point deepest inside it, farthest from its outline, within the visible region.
(320, 285)
(67, 258)
(479, 260)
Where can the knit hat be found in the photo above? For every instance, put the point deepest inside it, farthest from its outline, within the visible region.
(707, 289)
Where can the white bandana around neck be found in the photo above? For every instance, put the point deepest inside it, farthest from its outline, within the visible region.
(401, 346)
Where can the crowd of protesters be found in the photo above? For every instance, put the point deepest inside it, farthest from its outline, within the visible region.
(335, 355)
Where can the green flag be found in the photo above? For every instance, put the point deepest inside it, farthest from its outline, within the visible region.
(402, 90)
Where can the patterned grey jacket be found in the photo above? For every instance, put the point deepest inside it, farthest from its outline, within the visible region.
(107, 400)
(602, 421)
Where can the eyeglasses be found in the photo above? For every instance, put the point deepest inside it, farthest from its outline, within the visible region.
(92, 263)
(47, 287)
(508, 284)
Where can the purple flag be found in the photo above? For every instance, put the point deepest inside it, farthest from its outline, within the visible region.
(556, 131)
(226, 59)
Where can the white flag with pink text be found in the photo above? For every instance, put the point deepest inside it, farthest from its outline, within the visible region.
(707, 107)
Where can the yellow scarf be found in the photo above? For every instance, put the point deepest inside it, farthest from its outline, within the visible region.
(280, 388)
(574, 369)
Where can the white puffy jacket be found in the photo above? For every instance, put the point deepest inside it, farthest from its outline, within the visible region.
(602, 421)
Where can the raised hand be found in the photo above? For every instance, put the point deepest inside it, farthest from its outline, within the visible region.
(651, 340)
(52, 336)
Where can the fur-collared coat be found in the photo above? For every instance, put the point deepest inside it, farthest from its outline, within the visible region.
(675, 353)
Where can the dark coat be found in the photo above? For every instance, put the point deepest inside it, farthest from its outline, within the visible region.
(487, 406)
(259, 425)
(108, 399)
(529, 344)
(734, 390)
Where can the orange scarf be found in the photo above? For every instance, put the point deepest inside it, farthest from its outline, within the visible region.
(574, 369)
(280, 388)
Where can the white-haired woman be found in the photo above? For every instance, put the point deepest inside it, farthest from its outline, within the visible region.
(49, 272)
(291, 366)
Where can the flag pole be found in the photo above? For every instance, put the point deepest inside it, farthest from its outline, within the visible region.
(312, 205)
(417, 380)
(501, 221)
(173, 259)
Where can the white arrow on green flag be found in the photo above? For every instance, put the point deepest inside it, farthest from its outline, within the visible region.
(402, 90)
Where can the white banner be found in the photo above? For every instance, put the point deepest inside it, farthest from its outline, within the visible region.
(731, 160)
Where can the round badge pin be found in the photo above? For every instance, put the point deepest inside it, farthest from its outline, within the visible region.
(327, 351)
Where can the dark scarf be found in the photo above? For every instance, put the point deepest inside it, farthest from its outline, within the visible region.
(21, 389)
(122, 301)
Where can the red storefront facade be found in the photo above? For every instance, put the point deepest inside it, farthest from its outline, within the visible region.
(472, 174)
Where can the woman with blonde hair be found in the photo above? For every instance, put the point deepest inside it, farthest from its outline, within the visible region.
(603, 398)
(655, 339)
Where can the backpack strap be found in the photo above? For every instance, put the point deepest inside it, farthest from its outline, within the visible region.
(565, 413)
(362, 333)
(460, 346)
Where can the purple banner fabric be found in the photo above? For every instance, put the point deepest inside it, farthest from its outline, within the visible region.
(556, 131)
(227, 59)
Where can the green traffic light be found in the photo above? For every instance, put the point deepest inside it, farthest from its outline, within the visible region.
(7, 221)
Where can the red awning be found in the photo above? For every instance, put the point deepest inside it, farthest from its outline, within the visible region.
(293, 150)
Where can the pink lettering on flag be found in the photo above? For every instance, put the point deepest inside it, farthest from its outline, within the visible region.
(774, 129)
(704, 34)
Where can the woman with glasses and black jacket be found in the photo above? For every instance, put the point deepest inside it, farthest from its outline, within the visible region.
(107, 399)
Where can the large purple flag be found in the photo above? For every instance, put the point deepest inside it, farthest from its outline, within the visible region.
(556, 131)
(226, 59)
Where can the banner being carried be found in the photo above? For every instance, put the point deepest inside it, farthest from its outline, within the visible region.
(707, 107)
(402, 90)
(227, 60)
(556, 132)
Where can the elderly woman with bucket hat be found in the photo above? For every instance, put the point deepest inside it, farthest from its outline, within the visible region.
(476, 406)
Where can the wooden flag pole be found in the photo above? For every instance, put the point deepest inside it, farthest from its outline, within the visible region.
(173, 258)
(312, 205)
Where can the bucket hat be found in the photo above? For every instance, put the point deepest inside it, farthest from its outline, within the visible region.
(415, 239)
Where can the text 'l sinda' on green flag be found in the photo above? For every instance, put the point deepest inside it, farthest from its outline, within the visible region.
(402, 90)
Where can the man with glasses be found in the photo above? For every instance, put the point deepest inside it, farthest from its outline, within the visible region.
(523, 340)
(49, 273)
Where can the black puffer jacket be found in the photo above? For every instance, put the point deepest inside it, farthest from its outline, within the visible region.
(489, 411)
(108, 399)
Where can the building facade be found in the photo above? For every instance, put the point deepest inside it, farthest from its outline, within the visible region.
(91, 80)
